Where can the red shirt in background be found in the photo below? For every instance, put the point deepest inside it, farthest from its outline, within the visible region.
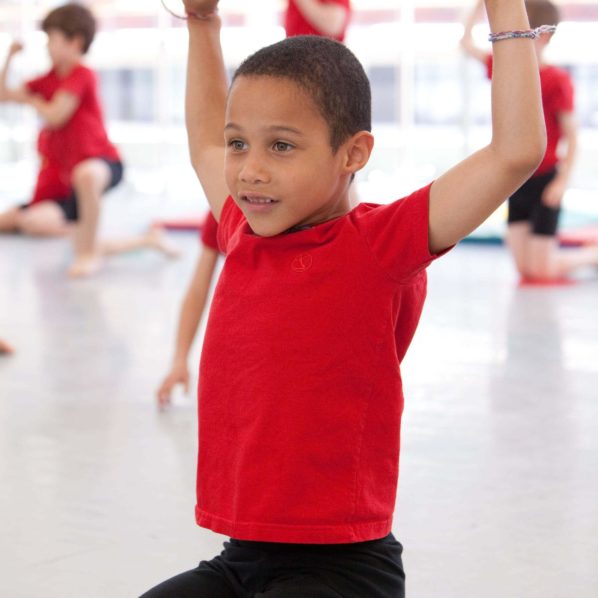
(83, 136)
(300, 394)
(557, 98)
(296, 24)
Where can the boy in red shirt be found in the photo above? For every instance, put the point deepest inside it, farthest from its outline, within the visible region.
(78, 161)
(534, 209)
(300, 395)
(318, 17)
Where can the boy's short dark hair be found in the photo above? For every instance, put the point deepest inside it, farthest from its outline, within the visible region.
(72, 20)
(328, 72)
(542, 12)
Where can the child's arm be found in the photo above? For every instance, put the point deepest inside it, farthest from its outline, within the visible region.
(466, 195)
(329, 18)
(554, 191)
(467, 42)
(192, 309)
(207, 88)
(57, 112)
(18, 94)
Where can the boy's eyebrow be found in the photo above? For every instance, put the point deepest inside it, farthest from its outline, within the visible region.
(271, 129)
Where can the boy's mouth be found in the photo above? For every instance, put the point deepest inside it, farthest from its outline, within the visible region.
(255, 199)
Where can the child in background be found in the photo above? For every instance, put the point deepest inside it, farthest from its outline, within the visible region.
(191, 311)
(78, 161)
(534, 209)
(300, 395)
(329, 18)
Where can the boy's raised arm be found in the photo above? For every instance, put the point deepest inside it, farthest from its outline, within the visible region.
(207, 89)
(7, 94)
(466, 195)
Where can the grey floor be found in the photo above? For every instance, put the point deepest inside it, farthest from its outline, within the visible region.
(498, 492)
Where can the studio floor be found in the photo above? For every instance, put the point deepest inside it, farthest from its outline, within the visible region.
(498, 492)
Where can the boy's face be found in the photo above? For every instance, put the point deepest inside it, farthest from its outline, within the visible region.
(279, 164)
(63, 50)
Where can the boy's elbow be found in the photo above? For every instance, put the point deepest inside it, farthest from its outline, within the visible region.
(524, 158)
(535, 153)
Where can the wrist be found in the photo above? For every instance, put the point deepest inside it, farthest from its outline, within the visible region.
(179, 361)
(211, 20)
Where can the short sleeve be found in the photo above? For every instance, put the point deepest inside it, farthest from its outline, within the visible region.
(397, 234)
(38, 85)
(209, 232)
(78, 82)
(231, 221)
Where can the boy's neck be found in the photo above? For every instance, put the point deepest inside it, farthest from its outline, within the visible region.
(65, 68)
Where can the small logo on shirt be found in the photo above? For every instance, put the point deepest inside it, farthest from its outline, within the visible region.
(302, 262)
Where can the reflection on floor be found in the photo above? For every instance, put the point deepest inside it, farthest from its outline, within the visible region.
(499, 472)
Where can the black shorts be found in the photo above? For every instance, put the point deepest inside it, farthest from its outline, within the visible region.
(526, 205)
(371, 569)
(69, 205)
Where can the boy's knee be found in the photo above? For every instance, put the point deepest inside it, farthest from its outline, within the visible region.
(89, 176)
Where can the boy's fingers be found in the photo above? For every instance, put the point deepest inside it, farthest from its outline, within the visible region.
(164, 392)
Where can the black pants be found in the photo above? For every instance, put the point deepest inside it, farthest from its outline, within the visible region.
(70, 205)
(261, 569)
(526, 205)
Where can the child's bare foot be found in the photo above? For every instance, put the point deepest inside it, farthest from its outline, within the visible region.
(85, 265)
(5, 348)
(156, 239)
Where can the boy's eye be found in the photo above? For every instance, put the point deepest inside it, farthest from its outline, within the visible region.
(282, 146)
(237, 145)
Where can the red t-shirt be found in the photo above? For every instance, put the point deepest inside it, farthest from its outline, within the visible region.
(84, 135)
(209, 232)
(296, 24)
(300, 396)
(49, 184)
(557, 98)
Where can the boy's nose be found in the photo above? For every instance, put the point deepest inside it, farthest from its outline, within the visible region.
(253, 171)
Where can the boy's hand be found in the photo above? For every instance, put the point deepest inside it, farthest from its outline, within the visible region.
(553, 193)
(15, 48)
(179, 374)
(201, 8)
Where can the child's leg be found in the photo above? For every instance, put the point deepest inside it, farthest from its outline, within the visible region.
(9, 221)
(373, 569)
(534, 246)
(547, 261)
(518, 238)
(42, 219)
(90, 178)
(153, 239)
(198, 583)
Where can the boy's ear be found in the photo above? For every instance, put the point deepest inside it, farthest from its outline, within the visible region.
(358, 150)
(80, 41)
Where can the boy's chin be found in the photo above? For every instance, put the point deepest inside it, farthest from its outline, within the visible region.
(265, 229)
